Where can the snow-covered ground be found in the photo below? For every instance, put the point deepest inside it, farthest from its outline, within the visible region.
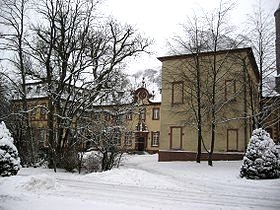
(140, 183)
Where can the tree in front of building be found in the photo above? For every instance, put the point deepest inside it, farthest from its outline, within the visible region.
(9, 160)
(79, 55)
(202, 76)
(261, 160)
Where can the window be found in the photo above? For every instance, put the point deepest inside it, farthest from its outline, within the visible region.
(230, 89)
(143, 114)
(43, 112)
(28, 90)
(155, 139)
(41, 135)
(116, 132)
(155, 113)
(38, 89)
(128, 116)
(107, 116)
(32, 109)
(177, 93)
(128, 138)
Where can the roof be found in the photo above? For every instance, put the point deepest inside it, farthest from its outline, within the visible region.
(36, 90)
(278, 9)
(248, 50)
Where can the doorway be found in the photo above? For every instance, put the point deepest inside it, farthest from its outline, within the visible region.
(140, 144)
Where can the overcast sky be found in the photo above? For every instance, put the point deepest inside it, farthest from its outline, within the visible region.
(160, 19)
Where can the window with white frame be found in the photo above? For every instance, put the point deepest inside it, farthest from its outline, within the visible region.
(143, 114)
(155, 139)
(155, 113)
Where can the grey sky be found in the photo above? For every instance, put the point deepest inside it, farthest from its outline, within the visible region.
(160, 19)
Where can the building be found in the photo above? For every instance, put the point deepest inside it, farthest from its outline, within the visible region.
(272, 101)
(139, 116)
(271, 122)
(37, 103)
(236, 100)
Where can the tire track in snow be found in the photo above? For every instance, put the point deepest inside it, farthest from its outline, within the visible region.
(166, 198)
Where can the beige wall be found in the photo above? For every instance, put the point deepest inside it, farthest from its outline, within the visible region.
(230, 68)
(152, 125)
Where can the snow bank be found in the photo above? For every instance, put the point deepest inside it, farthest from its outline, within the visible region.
(138, 185)
(133, 177)
(37, 183)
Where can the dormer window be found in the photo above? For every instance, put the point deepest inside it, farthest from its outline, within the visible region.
(29, 89)
(129, 116)
(38, 89)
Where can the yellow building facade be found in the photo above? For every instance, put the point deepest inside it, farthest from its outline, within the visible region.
(235, 77)
(140, 120)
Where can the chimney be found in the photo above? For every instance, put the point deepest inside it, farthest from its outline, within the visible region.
(277, 48)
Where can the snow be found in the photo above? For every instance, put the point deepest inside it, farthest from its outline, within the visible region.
(140, 183)
(5, 134)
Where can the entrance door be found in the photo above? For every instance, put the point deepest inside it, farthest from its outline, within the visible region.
(140, 144)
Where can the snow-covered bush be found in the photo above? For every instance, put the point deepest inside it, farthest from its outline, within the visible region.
(261, 160)
(9, 160)
(92, 162)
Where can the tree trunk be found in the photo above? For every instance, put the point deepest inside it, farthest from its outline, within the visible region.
(213, 108)
(199, 126)
(28, 137)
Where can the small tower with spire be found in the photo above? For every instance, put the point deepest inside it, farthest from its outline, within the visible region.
(277, 47)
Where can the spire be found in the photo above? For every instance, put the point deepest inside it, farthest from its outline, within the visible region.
(143, 82)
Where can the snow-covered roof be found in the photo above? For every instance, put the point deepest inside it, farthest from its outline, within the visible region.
(121, 95)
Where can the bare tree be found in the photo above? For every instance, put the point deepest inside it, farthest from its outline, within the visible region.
(193, 43)
(80, 56)
(205, 34)
(261, 37)
(13, 18)
(103, 128)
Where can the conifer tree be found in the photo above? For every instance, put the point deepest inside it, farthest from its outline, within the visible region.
(261, 160)
(9, 160)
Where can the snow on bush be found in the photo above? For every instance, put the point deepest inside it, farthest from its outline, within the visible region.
(261, 160)
(9, 160)
(91, 161)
